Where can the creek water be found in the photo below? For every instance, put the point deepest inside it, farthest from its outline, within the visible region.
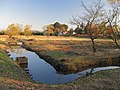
(41, 71)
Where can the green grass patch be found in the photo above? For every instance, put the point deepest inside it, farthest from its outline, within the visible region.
(9, 70)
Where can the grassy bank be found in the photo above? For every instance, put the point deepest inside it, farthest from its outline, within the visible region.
(103, 80)
(9, 70)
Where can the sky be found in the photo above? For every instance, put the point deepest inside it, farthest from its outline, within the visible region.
(38, 13)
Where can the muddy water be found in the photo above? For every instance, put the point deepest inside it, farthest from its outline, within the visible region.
(41, 71)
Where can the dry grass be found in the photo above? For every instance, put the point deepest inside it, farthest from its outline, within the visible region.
(3, 38)
(75, 53)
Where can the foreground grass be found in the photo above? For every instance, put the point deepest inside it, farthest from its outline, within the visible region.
(103, 80)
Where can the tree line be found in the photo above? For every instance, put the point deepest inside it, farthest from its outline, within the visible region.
(55, 29)
(17, 29)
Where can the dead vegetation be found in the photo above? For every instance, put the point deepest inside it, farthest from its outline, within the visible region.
(75, 55)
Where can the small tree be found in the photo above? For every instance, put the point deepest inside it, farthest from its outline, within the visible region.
(113, 17)
(27, 30)
(64, 28)
(92, 16)
(55, 29)
(78, 30)
(2, 32)
(13, 29)
(48, 30)
(70, 32)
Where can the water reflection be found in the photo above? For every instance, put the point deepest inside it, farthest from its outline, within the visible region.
(22, 61)
(25, 65)
(41, 71)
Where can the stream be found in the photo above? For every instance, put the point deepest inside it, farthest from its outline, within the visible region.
(41, 71)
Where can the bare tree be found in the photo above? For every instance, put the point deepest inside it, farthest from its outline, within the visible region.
(113, 18)
(92, 17)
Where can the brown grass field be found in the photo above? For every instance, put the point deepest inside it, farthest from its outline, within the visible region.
(71, 54)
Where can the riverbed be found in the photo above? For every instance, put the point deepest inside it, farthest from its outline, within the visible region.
(41, 71)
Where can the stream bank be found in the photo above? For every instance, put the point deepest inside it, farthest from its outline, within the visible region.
(41, 71)
(73, 62)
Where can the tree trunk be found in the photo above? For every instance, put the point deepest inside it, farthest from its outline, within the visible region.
(117, 43)
(89, 73)
(91, 70)
(93, 45)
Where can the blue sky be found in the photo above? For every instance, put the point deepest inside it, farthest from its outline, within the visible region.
(37, 12)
